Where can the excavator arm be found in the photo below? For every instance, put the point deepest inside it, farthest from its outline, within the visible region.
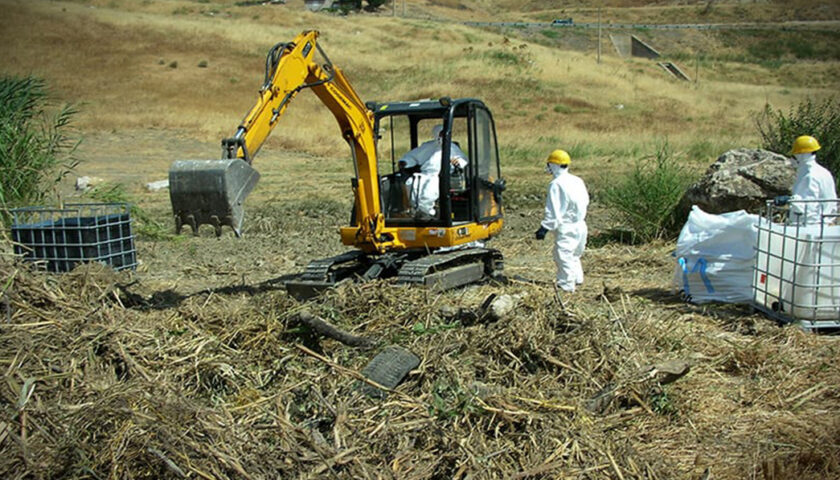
(212, 192)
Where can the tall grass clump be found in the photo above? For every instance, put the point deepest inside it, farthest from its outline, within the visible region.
(146, 226)
(820, 120)
(645, 200)
(35, 150)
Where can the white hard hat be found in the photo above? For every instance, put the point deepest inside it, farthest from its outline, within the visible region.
(436, 130)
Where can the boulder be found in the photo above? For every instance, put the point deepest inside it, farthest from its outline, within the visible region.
(741, 179)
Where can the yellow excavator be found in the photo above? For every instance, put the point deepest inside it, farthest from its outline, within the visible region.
(445, 249)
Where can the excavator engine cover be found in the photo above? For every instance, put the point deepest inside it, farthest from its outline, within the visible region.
(210, 192)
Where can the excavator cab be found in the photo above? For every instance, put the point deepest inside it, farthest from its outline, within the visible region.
(469, 183)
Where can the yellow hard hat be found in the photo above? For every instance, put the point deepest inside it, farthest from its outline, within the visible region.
(560, 157)
(805, 144)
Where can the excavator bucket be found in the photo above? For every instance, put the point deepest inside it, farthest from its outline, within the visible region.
(210, 192)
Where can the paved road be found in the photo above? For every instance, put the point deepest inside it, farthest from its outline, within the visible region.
(697, 26)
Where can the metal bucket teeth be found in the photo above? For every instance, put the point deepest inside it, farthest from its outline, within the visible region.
(210, 192)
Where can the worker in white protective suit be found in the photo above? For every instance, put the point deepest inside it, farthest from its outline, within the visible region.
(565, 215)
(425, 160)
(813, 182)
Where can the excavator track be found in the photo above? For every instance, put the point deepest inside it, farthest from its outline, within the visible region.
(323, 270)
(441, 271)
(325, 273)
(452, 269)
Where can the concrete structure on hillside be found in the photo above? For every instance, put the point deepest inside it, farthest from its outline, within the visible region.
(632, 46)
(621, 43)
(674, 70)
(315, 5)
(639, 48)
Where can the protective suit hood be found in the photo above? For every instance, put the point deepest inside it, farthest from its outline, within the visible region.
(436, 131)
(555, 170)
(805, 157)
(813, 182)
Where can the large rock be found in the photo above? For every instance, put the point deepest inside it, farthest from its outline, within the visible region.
(741, 179)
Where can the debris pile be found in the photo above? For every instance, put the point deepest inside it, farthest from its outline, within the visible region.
(106, 380)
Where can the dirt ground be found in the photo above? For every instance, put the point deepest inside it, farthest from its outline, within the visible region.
(294, 214)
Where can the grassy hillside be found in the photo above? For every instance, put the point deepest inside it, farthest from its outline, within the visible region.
(118, 59)
(628, 11)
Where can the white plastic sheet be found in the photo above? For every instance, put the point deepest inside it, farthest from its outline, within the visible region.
(715, 257)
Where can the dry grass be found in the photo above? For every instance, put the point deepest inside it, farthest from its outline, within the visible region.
(193, 366)
(632, 11)
(701, 11)
(136, 91)
(108, 376)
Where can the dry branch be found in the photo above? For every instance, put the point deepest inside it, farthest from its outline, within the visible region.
(325, 328)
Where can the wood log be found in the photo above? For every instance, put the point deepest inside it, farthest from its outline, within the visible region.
(326, 329)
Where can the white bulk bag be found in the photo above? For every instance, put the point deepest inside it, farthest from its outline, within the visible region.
(715, 257)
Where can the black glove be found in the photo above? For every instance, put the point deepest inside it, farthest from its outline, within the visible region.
(408, 171)
(541, 233)
(781, 200)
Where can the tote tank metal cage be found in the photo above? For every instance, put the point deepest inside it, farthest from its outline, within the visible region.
(58, 239)
(797, 264)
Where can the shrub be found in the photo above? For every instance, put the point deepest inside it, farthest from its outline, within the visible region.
(821, 120)
(346, 6)
(372, 5)
(645, 200)
(35, 151)
(145, 226)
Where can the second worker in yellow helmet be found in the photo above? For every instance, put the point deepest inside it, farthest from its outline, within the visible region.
(565, 215)
(814, 196)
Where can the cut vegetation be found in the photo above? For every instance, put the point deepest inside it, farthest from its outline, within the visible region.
(199, 365)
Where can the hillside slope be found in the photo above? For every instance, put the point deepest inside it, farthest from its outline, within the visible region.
(134, 66)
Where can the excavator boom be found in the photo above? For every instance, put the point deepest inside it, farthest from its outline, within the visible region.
(213, 191)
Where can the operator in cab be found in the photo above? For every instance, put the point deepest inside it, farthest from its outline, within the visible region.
(425, 161)
(813, 182)
(565, 215)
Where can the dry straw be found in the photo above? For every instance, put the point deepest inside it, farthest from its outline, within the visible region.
(106, 380)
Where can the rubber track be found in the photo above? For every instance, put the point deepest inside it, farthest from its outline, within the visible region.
(416, 271)
(319, 270)
(388, 369)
